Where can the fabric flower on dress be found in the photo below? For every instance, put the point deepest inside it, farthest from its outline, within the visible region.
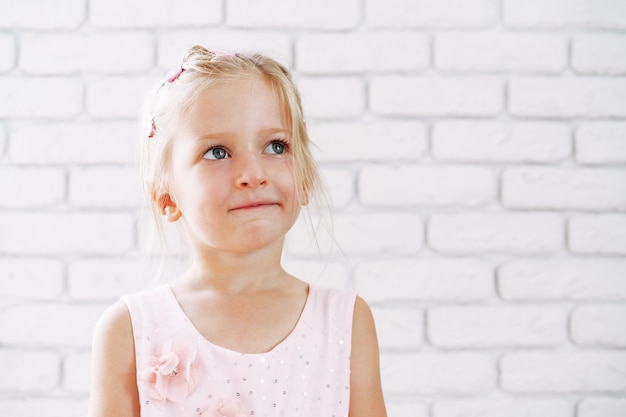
(224, 408)
(172, 375)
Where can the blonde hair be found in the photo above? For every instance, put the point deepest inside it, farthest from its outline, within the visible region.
(201, 68)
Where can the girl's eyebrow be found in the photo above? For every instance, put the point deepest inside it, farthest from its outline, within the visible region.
(274, 129)
(227, 134)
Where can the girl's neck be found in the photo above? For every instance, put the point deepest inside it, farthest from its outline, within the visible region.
(228, 272)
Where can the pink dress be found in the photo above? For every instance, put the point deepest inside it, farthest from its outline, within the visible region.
(180, 373)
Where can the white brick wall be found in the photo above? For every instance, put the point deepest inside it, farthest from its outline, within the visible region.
(474, 152)
(599, 325)
(599, 54)
(431, 13)
(357, 53)
(67, 53)
(436, 96)
(602, 407)
(497, 408)
(584, 372)
(467, 327)
(541, 97)
(601, 143)
(504, 141)
(500, 51)
(438, 373)
(560, 14)
(40, 97)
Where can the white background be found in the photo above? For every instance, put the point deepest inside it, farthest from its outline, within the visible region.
(475, 152)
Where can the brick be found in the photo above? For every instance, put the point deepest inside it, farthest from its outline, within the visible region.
(495, 141)
(599, 325)
(145, 13)
(67, 407)
(601, 143)
(505, 407)
(323, 273)
(482, 327)
(106, 279)
(9, 52)
(305, 14)
(332, 97)
(559, 14)
(515, 233)
(564, 188)
(599, 54)
(117, 96)
(56, 97)
(172, 43)
(398, 233)
(29, 370)
(567, 279)
(561, 372)
(110, 187)
(399, 328)
(68, 53)
(339, 184)
(590, 97)
(48, 324)
(31, 278)
(31, 187)
(54, 14)
(75, 143)
(409, 185)
(436, 96)
(456, 280)
(39, 233)
(76, 372)
(604, 233)
(399, 409)
(602, 407)
(360, 141)
(3, 140)
(431, 13)
(436, 373)
(362, 52)
(502, 51)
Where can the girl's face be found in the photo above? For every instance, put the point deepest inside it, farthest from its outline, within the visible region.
(231, 179)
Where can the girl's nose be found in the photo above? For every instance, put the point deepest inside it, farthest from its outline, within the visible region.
(251, 172)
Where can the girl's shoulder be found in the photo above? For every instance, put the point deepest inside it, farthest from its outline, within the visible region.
(114, 320)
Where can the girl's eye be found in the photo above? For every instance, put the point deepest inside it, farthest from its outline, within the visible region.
(277, 147)
(216, 152)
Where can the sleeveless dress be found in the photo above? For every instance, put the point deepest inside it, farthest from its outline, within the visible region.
(180, 373)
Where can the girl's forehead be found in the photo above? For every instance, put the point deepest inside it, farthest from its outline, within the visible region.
(244, 96)
(251, 103)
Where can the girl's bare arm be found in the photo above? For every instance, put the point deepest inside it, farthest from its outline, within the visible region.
(113, 379)
(366, 396)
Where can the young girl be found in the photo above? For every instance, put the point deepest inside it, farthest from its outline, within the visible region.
(227, 155)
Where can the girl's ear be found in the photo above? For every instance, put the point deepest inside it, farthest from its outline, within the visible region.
(167, 206)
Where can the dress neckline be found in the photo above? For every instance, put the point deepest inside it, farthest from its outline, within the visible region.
(303, 314)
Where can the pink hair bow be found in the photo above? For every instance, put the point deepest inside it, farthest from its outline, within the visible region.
(173, 74)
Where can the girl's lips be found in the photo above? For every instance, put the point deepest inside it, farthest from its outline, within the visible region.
(253, 205)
